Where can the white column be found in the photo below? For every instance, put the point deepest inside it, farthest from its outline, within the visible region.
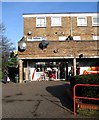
(20, 71)
(74, 65)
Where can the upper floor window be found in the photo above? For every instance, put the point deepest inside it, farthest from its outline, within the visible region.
(40, 21)
(81, 21)
(95, 21)
(55, 21)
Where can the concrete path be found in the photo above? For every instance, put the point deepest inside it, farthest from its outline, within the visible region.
(42, 99)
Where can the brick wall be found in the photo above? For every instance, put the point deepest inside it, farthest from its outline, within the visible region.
(53, 33)
(63, 49)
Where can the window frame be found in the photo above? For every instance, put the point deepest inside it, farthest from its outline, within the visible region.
(56, 25)
(93, 23)
(39, 24)
(79, 24)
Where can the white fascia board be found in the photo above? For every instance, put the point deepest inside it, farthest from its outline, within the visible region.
(59, 57)
(46, 58)
(60, 15)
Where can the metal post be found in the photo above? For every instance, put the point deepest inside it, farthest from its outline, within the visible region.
(82, 97)
(74, 101)
(70, 25)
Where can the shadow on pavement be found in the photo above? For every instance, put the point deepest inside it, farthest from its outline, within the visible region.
(62, 92)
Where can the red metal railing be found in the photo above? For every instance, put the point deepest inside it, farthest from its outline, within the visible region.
(80, 97)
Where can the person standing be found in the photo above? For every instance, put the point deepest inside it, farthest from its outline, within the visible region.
(6, 77)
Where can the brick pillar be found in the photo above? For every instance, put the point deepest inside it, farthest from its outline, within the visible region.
(20, 71)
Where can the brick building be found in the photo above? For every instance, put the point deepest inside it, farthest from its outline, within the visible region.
(48, 45)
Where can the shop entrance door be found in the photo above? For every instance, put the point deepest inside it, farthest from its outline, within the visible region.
(62, 71)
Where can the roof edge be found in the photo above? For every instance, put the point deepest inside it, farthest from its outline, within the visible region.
(59, 13)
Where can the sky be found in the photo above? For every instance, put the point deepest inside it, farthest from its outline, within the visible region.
(13, 20)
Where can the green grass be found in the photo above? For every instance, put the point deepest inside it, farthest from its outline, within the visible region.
(88, 112)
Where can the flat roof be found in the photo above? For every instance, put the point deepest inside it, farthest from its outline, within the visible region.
(60, 13)
(72, 14)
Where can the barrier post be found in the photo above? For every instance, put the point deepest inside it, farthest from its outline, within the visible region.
(74, 102)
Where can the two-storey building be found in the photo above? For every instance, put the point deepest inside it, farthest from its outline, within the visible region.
(55, 42)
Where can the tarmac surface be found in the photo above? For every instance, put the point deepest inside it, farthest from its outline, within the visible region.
(39, 99)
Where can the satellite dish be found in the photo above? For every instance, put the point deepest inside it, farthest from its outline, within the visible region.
(69, 37)
(23, 46)
(43, 44)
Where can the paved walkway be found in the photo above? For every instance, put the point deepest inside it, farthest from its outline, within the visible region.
(42, 99)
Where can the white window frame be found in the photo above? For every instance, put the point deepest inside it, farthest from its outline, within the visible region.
(95, 37)
(81, 24)
(39, 22)
(95, 23)
(76, 38)
(53, 23)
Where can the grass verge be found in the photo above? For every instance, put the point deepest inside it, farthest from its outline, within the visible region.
(88, 112)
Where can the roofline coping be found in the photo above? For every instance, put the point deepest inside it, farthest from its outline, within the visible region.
(61, 14)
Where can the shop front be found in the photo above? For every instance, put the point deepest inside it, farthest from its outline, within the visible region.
(37, 70)
(56, 69)
(57, 61)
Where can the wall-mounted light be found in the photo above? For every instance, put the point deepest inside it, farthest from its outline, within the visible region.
(56, 33)
(81, 55)
(56, 51)
(29, 33)
(62, 33)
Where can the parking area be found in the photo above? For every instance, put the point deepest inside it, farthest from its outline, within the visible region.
(39, 99)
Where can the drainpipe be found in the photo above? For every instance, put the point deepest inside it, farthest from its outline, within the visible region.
(71, 25)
